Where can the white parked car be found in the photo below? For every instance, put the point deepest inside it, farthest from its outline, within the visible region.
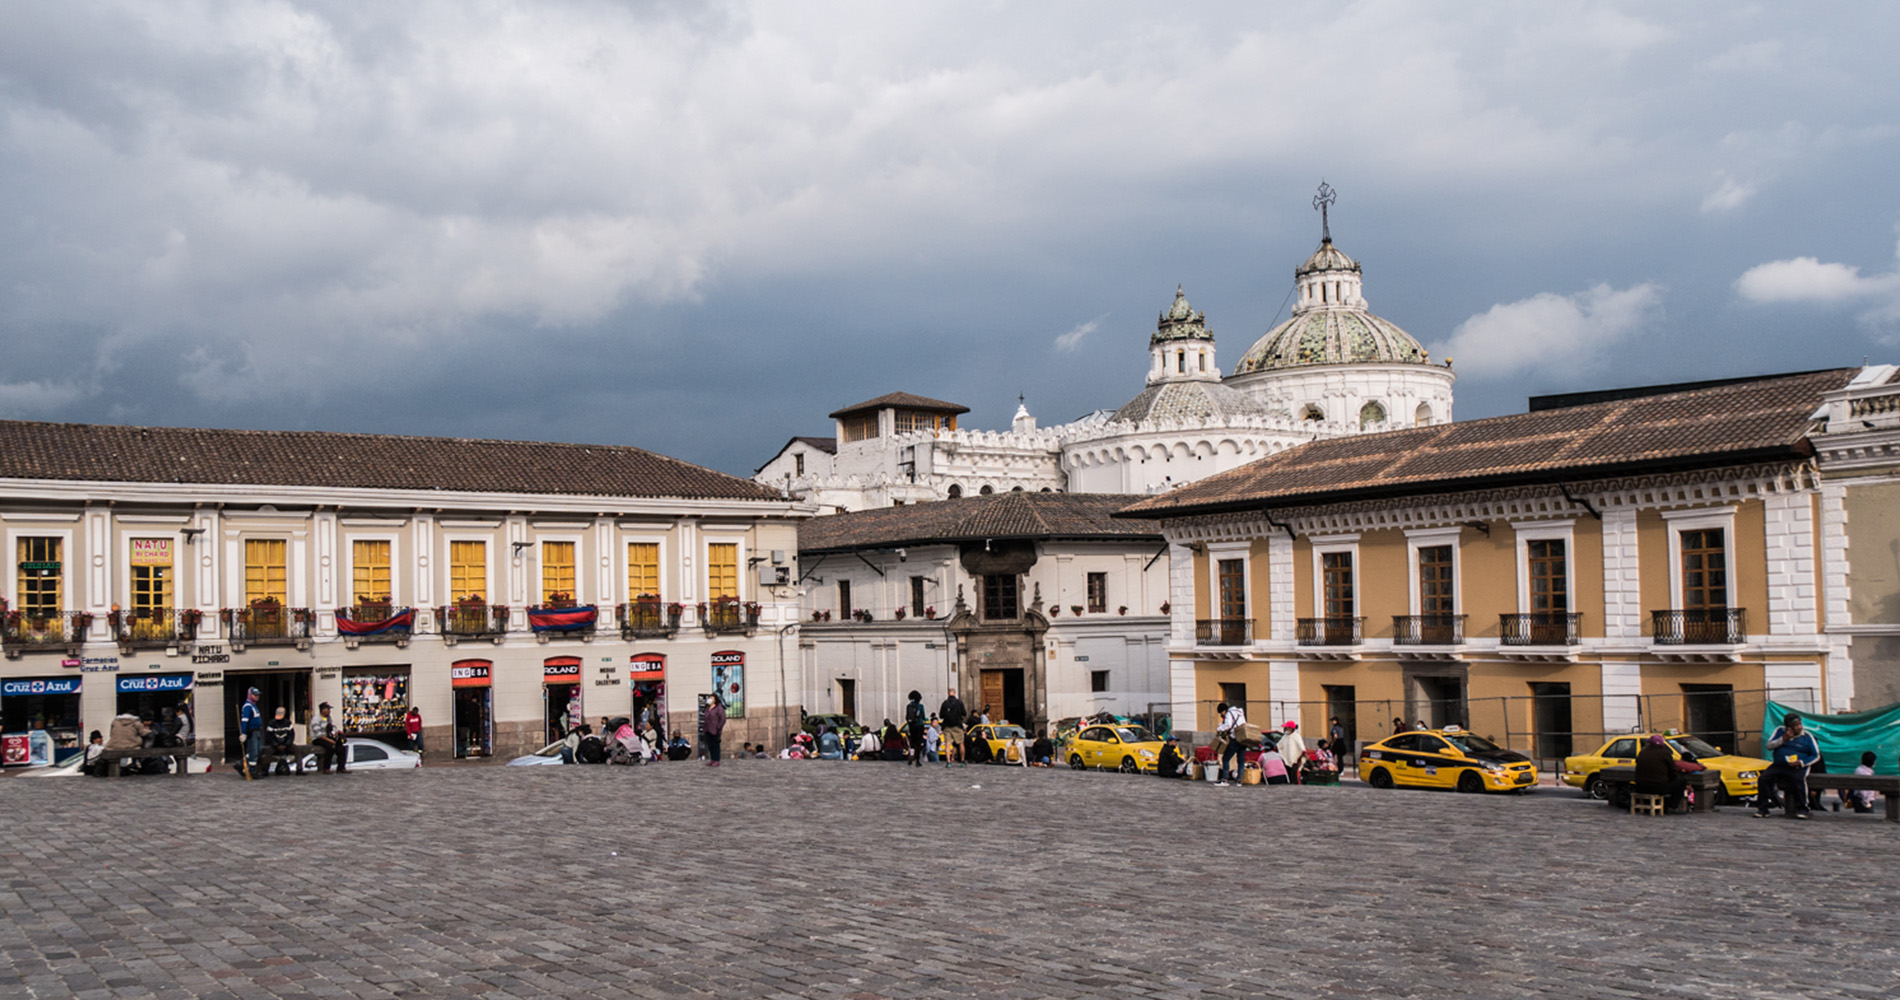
(371, 755)
(198, 765)
(550, 754)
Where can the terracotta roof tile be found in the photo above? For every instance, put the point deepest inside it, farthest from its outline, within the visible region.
(1744, 420)
(107, 453)
(1004, 515)
(904, 400)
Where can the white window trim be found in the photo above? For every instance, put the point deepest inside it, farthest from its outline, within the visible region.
(580, 564)
(1541, 531)
(125, 537)
(1216, 553)
(1679, 521)
(709, 537)
(65, 535)
(1327, 544)
(449, 538)
(346, 555)
(1425, 538)
(240, 565)
(626, 563)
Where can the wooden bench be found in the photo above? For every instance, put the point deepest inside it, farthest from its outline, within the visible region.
(1887, 785)
(181, 758)
(266, 759)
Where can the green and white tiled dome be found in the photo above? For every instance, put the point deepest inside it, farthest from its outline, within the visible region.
(1330, 324)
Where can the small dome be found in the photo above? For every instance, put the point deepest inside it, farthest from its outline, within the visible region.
(1189, 401)
(1327, 258)
(1331, 325)
(1180, 322)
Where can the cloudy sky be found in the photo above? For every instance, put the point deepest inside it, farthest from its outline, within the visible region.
(701, 227)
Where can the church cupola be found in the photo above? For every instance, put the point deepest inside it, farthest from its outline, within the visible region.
(1181, 349)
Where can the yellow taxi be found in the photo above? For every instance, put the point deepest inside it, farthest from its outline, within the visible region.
(999, 735)
(1128, 749)
(1445, 758)
(1740, 775)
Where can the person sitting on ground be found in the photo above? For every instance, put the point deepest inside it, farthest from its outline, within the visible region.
(896, 747)
(1862, 800)
(1171, 764)
(869, 746)
(933, 740)
(1043, 751)
(679, 749)
(976, 749)
(95, 756)
(1322, 756)
(1656, 772)
(829, 746)
(280, 739)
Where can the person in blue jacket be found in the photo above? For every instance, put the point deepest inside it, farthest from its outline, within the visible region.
(251, 727)
(1792, 750)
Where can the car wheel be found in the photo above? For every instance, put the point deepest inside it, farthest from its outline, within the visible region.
(1129, 766)
(1594, 788)
(1075, 762)
(1381, 778)
(1469, 782)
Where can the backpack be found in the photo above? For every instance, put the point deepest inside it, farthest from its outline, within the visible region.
(914, 712)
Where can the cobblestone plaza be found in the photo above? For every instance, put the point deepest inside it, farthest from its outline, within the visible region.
(861, 881)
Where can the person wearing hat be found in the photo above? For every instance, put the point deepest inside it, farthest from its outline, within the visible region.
(1656, 772)
(1793, 750)
(1292, 750)
(328, 739)
(280, 736)
(1171, 763)
(251, 728)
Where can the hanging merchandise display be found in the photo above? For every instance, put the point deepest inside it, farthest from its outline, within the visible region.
(375, 700)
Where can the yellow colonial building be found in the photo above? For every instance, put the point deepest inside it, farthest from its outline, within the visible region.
(1631, 558)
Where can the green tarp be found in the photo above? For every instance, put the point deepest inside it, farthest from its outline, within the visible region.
(1845, 737)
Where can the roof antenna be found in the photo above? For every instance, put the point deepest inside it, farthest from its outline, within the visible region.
(1322, 201)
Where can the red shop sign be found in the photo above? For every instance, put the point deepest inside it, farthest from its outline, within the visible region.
(561, 670)
(469, 673)
(649, 666)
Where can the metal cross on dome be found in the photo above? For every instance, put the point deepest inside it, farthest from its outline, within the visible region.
(1322, 201)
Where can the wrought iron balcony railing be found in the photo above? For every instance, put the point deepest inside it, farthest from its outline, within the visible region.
(1223, 632)
(472, 618)
(27, 628)
(1541, 628)
(267, 624)
(729, 616)
(1700, 627)
(647, 619)
(1333, 630)
(1428, 630)
(154, 627)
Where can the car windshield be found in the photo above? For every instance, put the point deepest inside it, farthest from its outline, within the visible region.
(1134, 734)
(1469, 742)
(1008, 733)
(1693, 747)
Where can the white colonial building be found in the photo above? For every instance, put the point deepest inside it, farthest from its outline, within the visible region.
(1330, 370)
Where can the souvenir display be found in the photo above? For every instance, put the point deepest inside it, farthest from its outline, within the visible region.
(375, 703)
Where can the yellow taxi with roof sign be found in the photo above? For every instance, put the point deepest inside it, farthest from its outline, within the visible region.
(1445, 758)
(1125, 748)
(1741, 776)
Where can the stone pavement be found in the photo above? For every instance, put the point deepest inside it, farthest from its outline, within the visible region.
(861, 881)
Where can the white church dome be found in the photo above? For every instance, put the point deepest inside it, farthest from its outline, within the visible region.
(1331, 324)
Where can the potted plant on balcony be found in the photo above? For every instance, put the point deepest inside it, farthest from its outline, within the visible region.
(931, 612)
(1122, 610)
(751, 613)
(898, 614)
(1055, 610)
(1166, 608)
(673, 613)
(1076, 610)
(559, 599)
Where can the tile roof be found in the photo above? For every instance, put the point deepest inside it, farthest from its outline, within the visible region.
(1760, 419)
(828, 445)
(1002, 515)
(108, 453)
(905, 400)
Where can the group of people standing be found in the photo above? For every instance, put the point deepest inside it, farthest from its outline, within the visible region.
(1289, 761)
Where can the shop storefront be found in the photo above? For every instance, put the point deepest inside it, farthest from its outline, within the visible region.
(648, 677)
(50, 704)
(287, 688)
(474, 707)
(375, 701)
(561, 690)
(159, 697)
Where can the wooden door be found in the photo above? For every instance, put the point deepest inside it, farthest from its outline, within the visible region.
(992, 694)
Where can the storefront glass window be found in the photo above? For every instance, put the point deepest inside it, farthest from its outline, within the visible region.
(375, 700)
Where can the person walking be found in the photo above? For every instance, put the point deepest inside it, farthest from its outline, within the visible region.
(1793, 750)
(412, 728)
(251, 729)
(1233, 756)
(953, 715)
(914, 728)
(715, 725)
(1336, 738)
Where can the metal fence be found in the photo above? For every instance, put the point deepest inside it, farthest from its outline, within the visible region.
(1547, 728)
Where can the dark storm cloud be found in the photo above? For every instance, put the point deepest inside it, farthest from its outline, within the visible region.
(701, 227)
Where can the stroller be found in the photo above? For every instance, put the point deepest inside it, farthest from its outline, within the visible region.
(627, 746)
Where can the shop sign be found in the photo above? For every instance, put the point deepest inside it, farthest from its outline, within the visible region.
(728, 671)
(40, 685)
(469, 673)
(649, 666)
(151, 552)
(210, 653)
(210, 680)
(561, 670)
(155, 682)
(94, 664)
(40, 567)
(327, 673)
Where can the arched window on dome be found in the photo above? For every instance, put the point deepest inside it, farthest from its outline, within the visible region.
(956, 491)
(1203, 357)
(1045, 489)
(1423, 417)
(1371, 413)
(1015, 489)
(1180, 361)
(1313, 414)
(985, 491)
